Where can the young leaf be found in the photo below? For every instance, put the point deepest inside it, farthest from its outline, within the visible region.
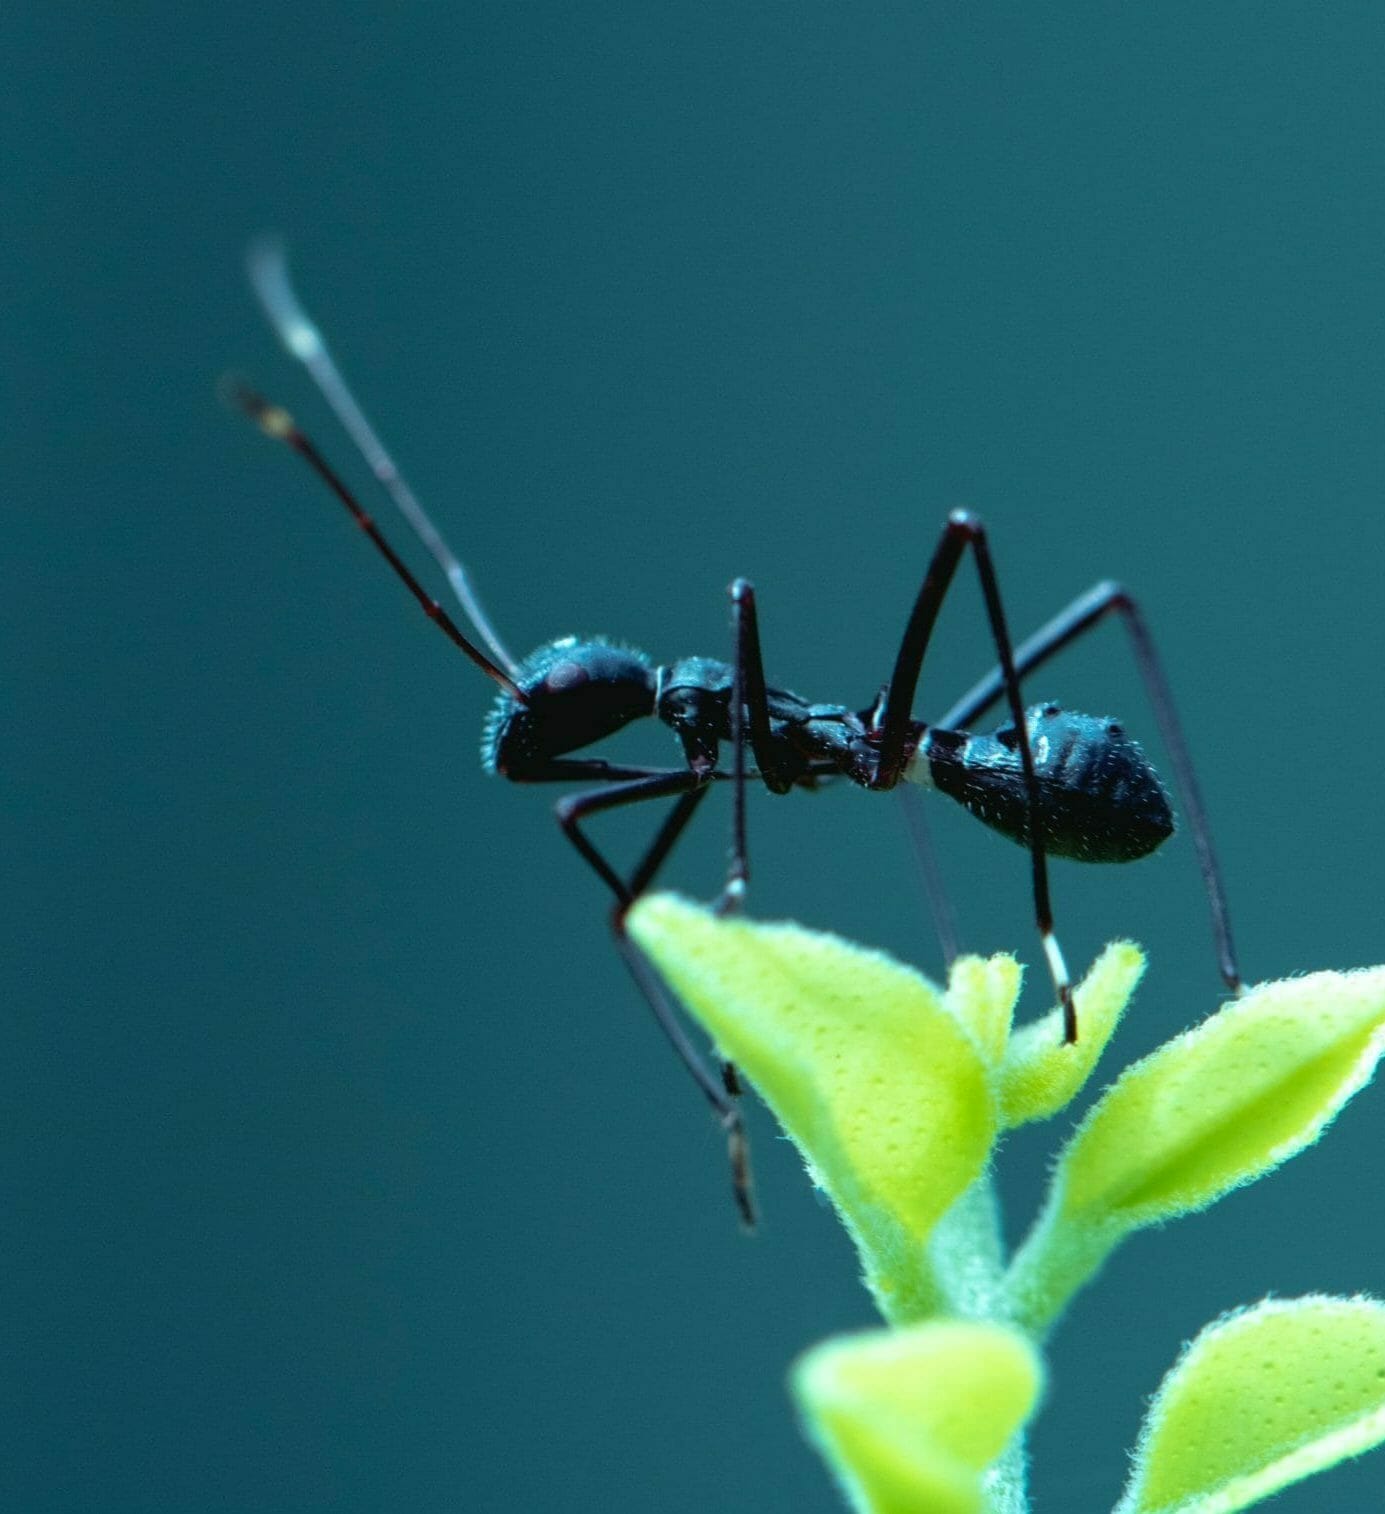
(884, 1093)
(1214, 1108)
(1259, 1400)
(1041, 1073)
(910, 1419)
(1223, 1104)
(981, 995)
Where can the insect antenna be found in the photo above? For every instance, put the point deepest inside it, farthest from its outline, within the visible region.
(268, 268)
(278, 424)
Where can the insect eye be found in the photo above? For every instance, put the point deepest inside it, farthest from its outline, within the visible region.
(566, 675)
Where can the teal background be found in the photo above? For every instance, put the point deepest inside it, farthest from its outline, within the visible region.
(343, 1169)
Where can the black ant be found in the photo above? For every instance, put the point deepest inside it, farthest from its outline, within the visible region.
(1054, 781)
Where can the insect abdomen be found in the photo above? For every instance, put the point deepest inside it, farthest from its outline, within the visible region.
(1101, 800)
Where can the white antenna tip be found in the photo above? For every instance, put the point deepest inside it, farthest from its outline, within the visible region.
(301, 339)
(268, 266)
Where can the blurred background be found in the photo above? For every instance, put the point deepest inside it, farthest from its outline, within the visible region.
(344, 1168)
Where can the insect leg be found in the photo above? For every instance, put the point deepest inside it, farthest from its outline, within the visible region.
(1080, 616)
(664, 840)
(749, 707)
(964, 530)
(720, 1097)
(749, 724)
(691, 788)
(640, 880)
(574, 808)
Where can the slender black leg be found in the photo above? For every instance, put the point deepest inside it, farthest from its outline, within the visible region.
(749, 723)
(738, 1147)
(750, 670)
(738, 869)
(722, 1099)
(893, 710)
(691, 788)
(629, 786)
(575, 808)
(572, 769)
(664, 840)
(964, 530)
(1065, 627)
(717, 1093)
(749, 707)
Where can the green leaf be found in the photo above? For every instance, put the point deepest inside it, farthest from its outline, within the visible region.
(1259, 1400)
(1223, 1104)
(1214, 1108)
(981, 996)
(910, 1419)
(1042, 1074)
(885, 1094)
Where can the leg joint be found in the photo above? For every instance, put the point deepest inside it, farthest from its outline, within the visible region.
(968, 522)
(1112, 592)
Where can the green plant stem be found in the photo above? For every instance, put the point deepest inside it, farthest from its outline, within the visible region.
(968, 1257)
(1058, 1257)
(1004, 1490)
